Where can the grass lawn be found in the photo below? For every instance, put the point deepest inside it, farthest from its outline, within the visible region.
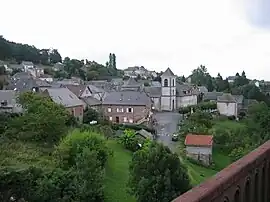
(117, 175)
(198, 173)
(22, 155)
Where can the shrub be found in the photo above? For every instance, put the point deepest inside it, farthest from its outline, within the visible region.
(129, 140)
(74, 143)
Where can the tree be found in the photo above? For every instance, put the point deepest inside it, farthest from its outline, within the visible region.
(113, 61)
(43, 120)
(75, 143)
(90, 115)
(156, 174)
(55, 56)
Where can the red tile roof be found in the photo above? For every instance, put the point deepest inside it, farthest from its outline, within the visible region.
(199, 140)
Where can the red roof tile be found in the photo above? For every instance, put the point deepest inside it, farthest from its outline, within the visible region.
(199, 140)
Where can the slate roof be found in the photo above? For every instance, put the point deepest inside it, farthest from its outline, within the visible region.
(211, 95)
(91, 101)
(231, 77)
(226, 97)
(199, 140)
(239, 98)
(145, 134)
(22, 84)
(28, 63)
(76, 89)
(64, 97)
(153, 91)
(184, 90)
(168, 72)
(127, 98)
(8, 95)
(202, 89)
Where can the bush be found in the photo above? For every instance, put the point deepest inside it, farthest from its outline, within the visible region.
(132, 127)
(129, 140)
(75, 142)
(18, 183)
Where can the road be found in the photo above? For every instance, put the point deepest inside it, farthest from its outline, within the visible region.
(167, 123)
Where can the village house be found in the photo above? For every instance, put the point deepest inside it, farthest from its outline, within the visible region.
(69, 100)
(231, 79)
(211, 96)
(131, 85)
(199, 147)
(127, 107)
(227, 105)
(46, 77)
(27, 65)
(8, 102)
(171, 95)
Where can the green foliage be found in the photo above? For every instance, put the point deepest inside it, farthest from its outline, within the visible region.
(43, 120)
(90, 115)
(18, 183)
(201, 77)
(23, 52)
(75, 143)
(132, 126)
(156, 174)
(129, 140)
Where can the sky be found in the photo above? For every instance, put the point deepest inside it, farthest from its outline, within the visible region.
(227, 36)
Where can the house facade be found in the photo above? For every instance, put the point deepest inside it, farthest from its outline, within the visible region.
(227, 105)
(69, 100)
(199, 147)
(171, 95)
(127, 107)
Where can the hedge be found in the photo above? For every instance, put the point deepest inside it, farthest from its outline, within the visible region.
(131, 126)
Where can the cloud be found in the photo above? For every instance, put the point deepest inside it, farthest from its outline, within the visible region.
(258, 12)
(154, 33)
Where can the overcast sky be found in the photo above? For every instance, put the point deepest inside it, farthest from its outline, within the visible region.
(224, 35)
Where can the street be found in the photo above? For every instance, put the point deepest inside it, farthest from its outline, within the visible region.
(167, 123)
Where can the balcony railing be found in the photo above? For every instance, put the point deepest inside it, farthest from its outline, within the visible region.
(246, 180)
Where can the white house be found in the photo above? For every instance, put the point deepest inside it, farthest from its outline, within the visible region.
(26, 65)
(227, 105)
(199, 148)
(171, 95)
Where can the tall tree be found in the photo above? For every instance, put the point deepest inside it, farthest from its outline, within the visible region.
(156, 174)
(113, 61)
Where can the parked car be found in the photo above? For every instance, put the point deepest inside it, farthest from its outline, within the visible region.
(175, 137)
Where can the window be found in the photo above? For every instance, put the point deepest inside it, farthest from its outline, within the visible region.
(165, 82)
(110, 118)
(130, 110)
(172, 92)
(173, 82)
(119, 110)
(130, 120)
(109, 109)
(125, 119)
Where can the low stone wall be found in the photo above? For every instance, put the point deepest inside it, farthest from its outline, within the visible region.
(246, 180)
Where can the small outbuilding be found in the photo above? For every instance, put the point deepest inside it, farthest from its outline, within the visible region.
(199, 147)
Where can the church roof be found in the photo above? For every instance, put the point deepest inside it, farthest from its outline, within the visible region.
(168, 72)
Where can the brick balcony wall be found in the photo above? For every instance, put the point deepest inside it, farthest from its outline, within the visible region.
(246, 180)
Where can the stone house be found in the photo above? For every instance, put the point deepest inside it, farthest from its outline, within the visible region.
(27, 65)
(211, 96)
(8, 102)
(199, 147)
(171, 95)
(127, 107)
(69, 100)
(227, 105)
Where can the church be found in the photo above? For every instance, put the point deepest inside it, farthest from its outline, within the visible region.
(171, 95)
